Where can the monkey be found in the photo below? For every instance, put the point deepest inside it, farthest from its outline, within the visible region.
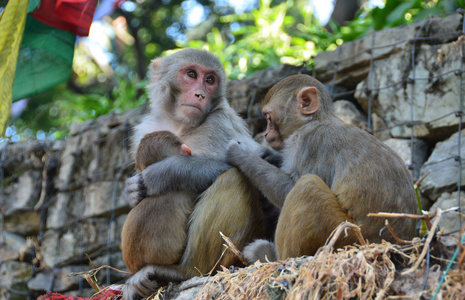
(187, 91)
(155, 230)
(331, 172)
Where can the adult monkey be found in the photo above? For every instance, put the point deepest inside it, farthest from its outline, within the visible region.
(331, 172)
(187, 91)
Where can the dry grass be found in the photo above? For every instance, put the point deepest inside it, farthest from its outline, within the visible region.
(369, 271)
(365, 271)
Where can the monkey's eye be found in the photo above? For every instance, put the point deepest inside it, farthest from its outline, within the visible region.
(210, 80)
(191, 74)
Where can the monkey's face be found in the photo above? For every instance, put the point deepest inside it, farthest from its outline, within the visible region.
(272, 134)
(198, 86)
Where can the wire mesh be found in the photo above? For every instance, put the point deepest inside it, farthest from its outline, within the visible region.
(117, 172)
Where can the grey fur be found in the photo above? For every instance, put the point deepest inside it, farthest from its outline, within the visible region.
(140, 284)
(347, 158)
(261, 250)
(207, 137)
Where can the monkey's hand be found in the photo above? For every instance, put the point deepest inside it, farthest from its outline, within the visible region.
(271, 156)
(236, 153)
(135, 190)
(273, 182)
(141, 284)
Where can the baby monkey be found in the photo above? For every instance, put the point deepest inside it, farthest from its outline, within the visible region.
(155, 230)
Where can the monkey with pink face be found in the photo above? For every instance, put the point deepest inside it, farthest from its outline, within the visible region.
(187, 91)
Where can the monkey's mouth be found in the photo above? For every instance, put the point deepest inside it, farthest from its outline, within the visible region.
(194, 106)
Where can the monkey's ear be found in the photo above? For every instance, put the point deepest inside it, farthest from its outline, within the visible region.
(154, 65)
(307, 100)
(185, 150)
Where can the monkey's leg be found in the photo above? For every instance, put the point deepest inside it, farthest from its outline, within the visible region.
(231, 205)
(309, 215)
(146, 281)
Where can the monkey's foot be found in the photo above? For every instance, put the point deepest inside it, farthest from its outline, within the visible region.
(140, 285)
(261, 250)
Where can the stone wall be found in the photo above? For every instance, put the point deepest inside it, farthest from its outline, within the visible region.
(62, 204)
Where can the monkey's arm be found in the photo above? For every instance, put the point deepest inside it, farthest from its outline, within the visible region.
(174, 173)
(273, 182)
(271, 156)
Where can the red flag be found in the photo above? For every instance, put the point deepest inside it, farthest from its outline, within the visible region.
(72, 15)
(106, 294)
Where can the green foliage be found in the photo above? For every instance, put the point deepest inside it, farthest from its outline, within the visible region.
(261, 39)
(274, 32)
(394, 13)
(288, 32)
(50, 114)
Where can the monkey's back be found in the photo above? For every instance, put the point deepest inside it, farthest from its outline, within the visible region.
(359, 168)
(155, 230)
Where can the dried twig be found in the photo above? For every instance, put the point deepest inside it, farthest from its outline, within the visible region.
(231, 247)
(398, 239)
(396, 215)
(338, 231)
(95, 271)
(214, 267)
(90, 276)
(431, 233)
(92, 281)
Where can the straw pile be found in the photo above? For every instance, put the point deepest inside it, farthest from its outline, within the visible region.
(369, 271)
(374, 271)
(408, 270)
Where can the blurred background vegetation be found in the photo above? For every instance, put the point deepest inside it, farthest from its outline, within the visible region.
(109, 66)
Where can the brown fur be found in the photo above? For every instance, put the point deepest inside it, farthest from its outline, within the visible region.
(155, 230)
(228, 203)
(331, 172)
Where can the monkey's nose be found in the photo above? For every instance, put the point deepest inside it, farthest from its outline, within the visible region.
(200, 96)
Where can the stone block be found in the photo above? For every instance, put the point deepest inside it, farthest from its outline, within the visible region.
(401, 102)
(443, 168)
(88, 236)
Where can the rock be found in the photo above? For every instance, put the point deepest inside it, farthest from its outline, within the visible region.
(411, 285)
(352, 59)
(246, 95)
(11, 247)
(379, 128)
(23, 222)
(84, 237)
(186, 290)
(392, 94)
(64, 208)
(90, 156)
(349, 113)
(102, 197)
(116, 261)
(107, 122)
(444, 247)
(444, 168)
(94, 200)
(414, 160)
(19, 198)
(62, 280)
(23, 192)
(450, 221)
(14, 275)
(26, 155)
